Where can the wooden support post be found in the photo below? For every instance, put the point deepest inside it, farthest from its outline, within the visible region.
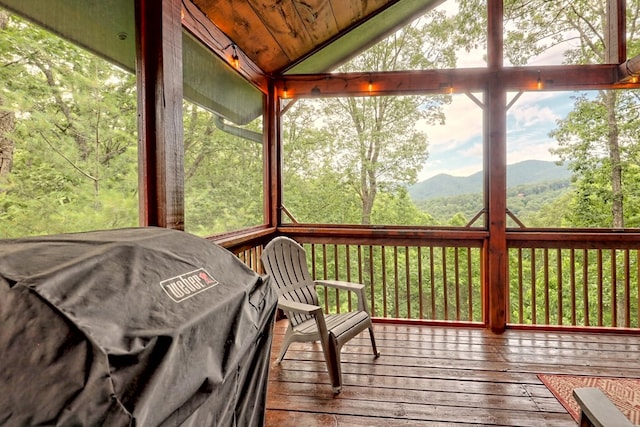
(273, 158)
(495, 172)
(497, 286)
(615, 37)
(160, 128)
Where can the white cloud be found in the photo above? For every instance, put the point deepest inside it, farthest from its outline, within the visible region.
(463, 123)
(530, 146)
(455, 148)
(473, 152)
(530, 115)
(555, 55)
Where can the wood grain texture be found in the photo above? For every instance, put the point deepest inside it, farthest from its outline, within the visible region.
(238, 20)
(432, 376)
(319, 18)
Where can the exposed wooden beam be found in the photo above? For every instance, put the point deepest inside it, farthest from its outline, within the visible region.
(160, 128)
(514, 79)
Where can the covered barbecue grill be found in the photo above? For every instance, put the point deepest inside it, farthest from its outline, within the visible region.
(140, 326)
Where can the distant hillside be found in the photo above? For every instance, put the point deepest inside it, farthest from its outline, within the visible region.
(523, 173)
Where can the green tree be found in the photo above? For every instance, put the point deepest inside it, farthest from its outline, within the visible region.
(71, 148)
(223, 173)
(398, 208)
(598, 139)
(378, 144)
(7, 117)
(314, 191)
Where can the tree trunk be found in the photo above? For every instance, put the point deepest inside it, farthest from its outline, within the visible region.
(7, 124)
(617, 199)
(368, 197)
(368, 180)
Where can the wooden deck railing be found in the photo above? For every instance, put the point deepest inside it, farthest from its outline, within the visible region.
(404, 282)
(434, 277)
(578, 279)
(560, 278)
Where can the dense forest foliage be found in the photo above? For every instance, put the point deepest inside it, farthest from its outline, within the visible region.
(68, 136)
(69, 161)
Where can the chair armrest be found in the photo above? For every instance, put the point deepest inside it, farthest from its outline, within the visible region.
(598, 410)
(347, 286)
(313, 310)
(298, 307)
(357, 288)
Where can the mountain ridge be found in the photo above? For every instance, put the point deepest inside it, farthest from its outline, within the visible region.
(521, 173)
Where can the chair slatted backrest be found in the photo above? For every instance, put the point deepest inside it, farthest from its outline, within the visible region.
(285, 261)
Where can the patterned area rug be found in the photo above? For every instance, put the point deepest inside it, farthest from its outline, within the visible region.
(623, 392)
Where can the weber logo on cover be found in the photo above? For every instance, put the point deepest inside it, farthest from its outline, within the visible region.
(186, 285)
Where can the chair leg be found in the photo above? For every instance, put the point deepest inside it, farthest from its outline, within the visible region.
(333, 363)
(376, 353)
(288, 339)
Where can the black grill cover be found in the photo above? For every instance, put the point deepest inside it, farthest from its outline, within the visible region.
(141, 326)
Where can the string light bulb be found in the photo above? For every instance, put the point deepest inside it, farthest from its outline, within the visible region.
(446, 87)
(285, 92)
(539, 81)
(234, 57)
(370, 85)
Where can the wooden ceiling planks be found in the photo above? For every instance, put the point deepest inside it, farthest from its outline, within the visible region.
(277, 33)
(238, 20)
(283, 21)
(349, 13)
(319, 19)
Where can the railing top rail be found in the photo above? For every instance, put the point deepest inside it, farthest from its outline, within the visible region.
(387, 236)
(574, 239)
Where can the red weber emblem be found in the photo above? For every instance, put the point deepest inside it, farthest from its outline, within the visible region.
(186, 285)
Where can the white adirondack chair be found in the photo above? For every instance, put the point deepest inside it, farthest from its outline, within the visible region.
(285, 261)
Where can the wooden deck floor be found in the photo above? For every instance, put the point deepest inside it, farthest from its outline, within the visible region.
(437, 376)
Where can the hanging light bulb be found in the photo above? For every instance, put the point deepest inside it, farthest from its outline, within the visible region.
(234, 57)
(539, 81)
(285, 92)
(370, 85)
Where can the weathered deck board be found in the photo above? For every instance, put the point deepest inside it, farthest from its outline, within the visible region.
(440, 376)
